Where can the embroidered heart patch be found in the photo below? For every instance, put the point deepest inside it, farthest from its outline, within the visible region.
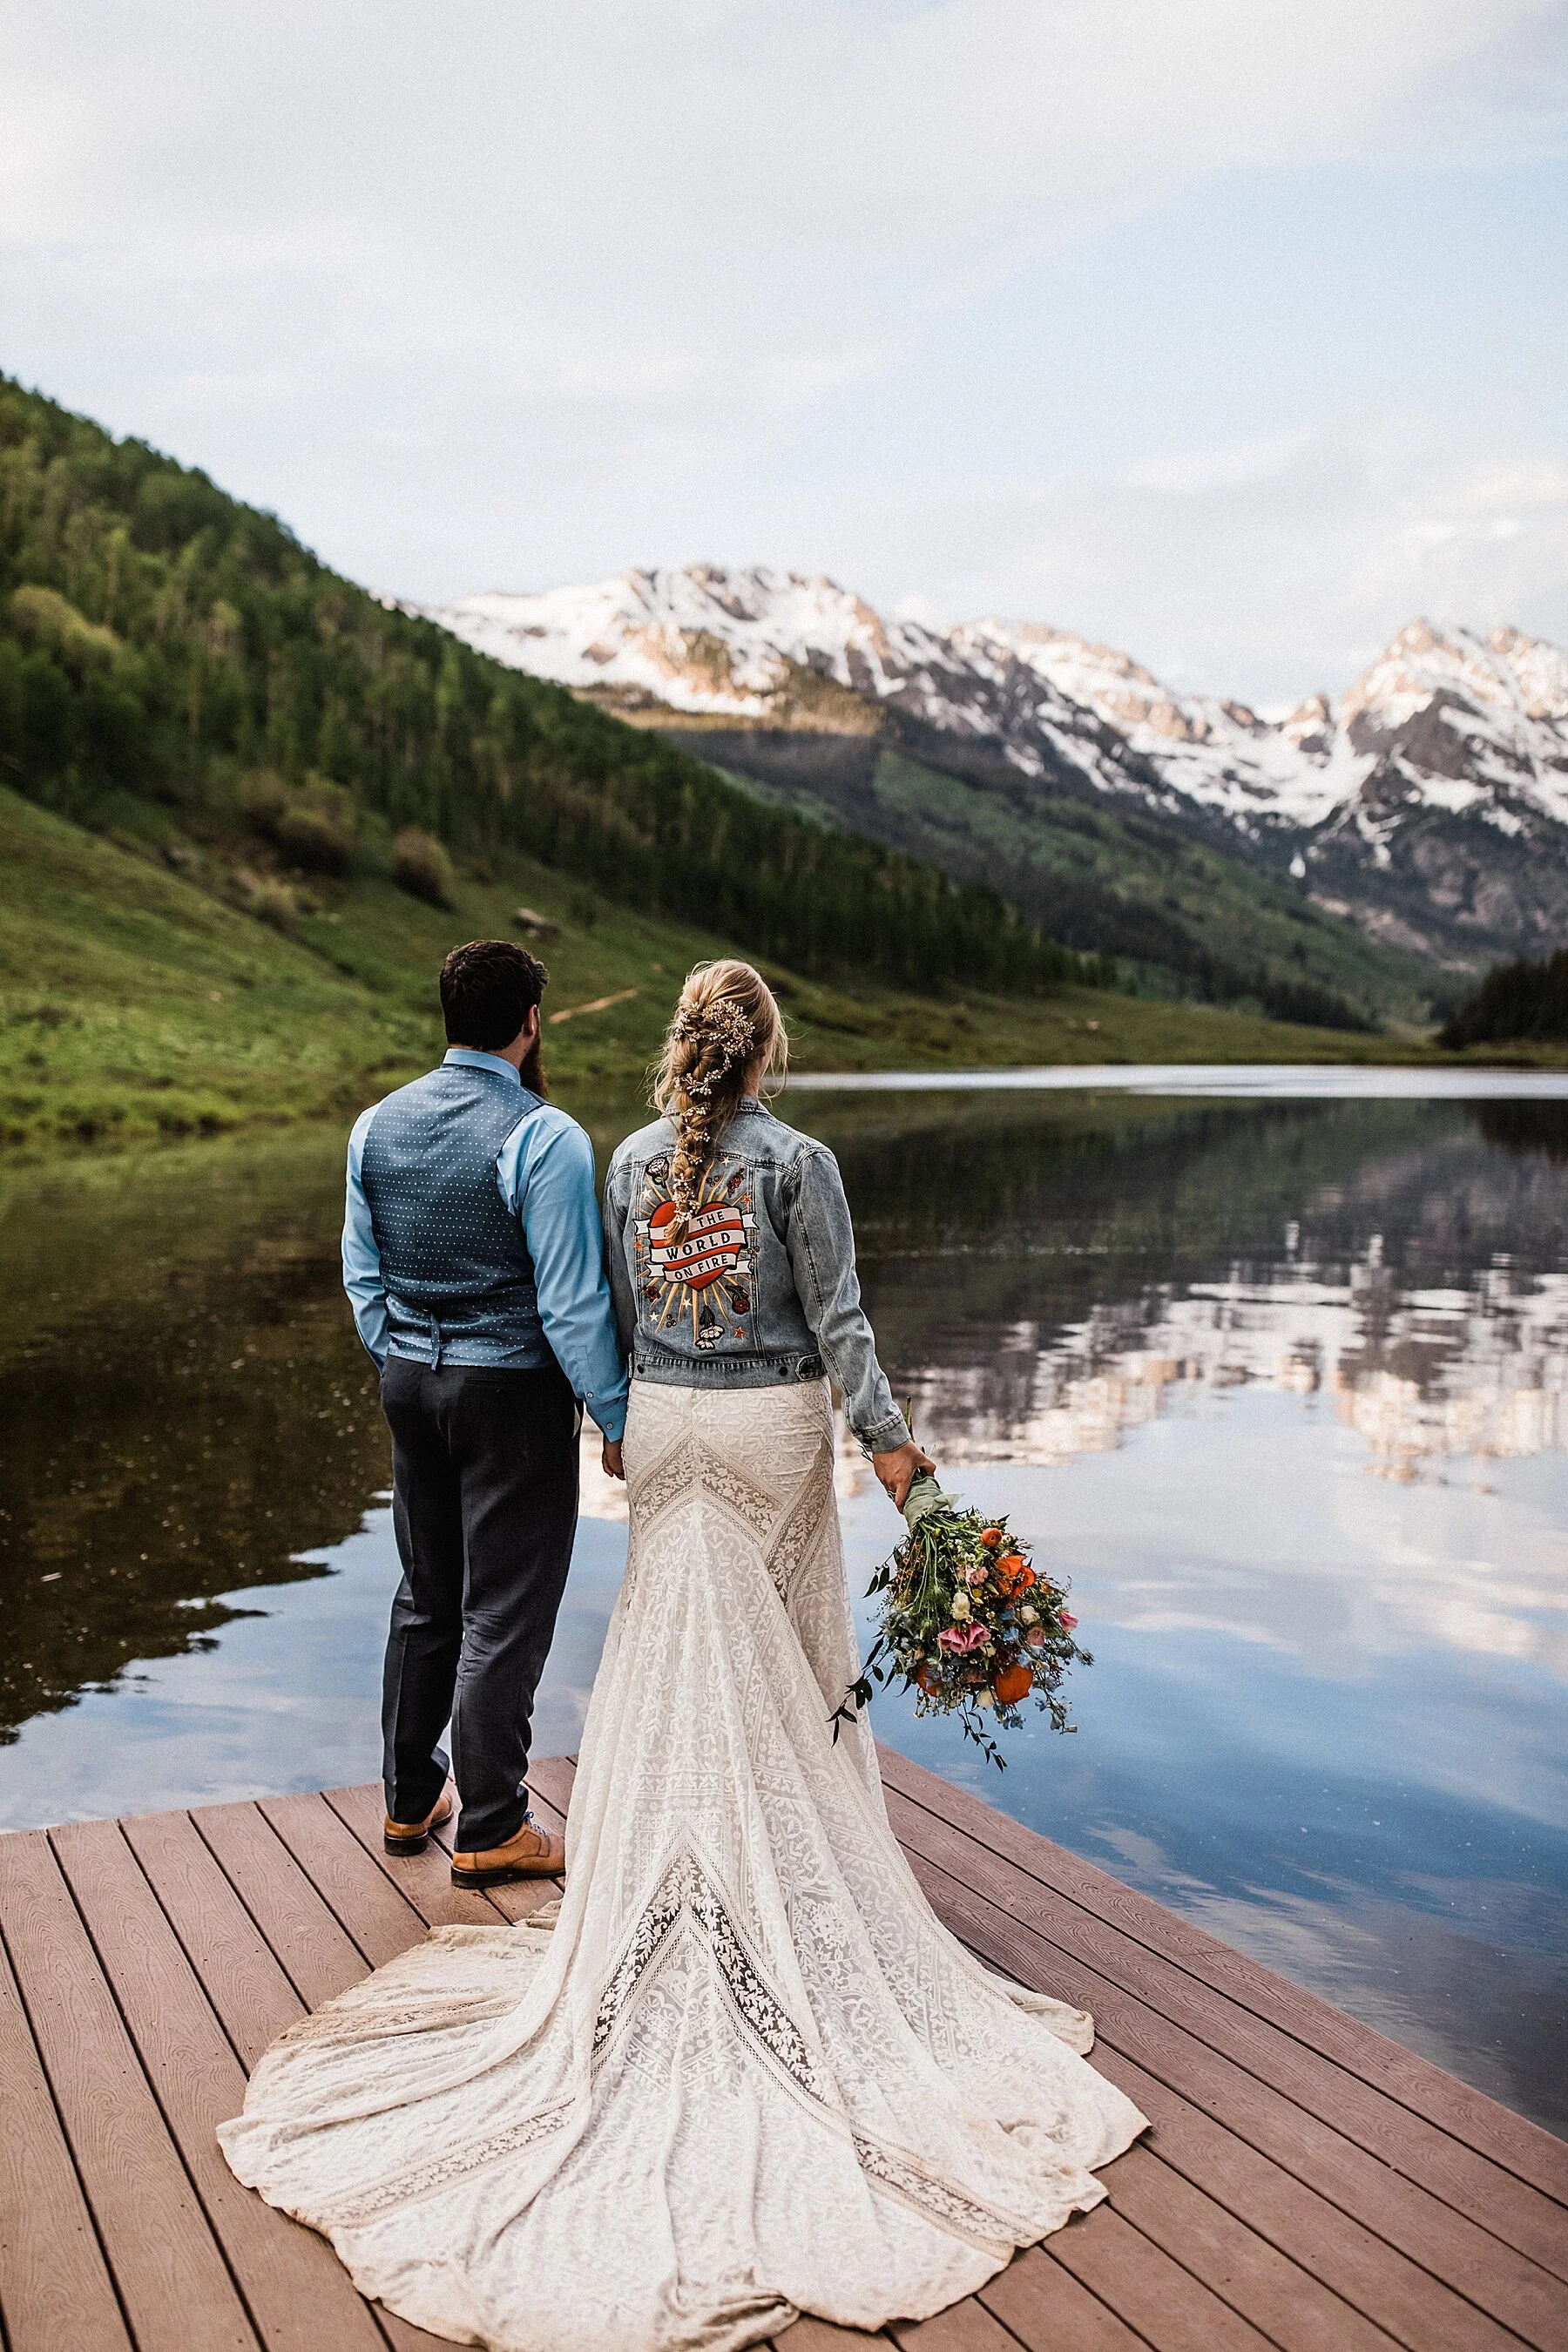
(712, 1244)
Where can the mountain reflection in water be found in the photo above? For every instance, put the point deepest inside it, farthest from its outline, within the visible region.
(1280, 1385)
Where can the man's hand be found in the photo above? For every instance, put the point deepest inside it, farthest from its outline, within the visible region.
(896, 1468)
(610, 1459)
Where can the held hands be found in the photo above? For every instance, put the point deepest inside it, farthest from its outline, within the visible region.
(610, 1459)
(896, 1469)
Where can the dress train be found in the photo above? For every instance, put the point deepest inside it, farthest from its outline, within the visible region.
(748, 2073)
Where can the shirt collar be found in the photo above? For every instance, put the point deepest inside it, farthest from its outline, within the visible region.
(469, 1057)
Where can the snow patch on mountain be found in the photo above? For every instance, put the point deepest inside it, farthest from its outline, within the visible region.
(1445, 719)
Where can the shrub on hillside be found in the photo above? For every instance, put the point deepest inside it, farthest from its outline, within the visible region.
(314, 825)
(421, 866)
(273, 903)
(1519, 999)
(316, 829)
(263, 796)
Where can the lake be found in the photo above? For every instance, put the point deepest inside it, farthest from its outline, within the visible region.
(1277, 1383)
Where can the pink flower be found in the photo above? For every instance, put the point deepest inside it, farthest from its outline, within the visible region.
(960, 1639)
(1066, 1619)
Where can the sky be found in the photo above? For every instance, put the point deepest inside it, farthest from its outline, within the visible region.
(1231, 335)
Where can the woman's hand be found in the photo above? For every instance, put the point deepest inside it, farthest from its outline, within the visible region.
(610, 1459)
(897, 1469)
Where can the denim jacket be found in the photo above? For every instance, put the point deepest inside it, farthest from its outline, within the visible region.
(761, 1289)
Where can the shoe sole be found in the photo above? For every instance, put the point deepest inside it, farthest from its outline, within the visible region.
(507, 1874)
(406, 1845)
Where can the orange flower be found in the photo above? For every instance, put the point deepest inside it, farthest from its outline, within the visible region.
(990, 1537)
(1014, 1573)
(928, 1680)
(1013, 1683)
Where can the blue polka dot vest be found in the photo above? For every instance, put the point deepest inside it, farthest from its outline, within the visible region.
(453, 1256)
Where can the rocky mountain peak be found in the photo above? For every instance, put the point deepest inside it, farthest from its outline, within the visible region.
(1449, 726)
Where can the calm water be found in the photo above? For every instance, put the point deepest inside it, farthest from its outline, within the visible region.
(1278, 1384)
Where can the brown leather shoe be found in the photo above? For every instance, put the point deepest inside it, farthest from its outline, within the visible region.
(531, 1853)
(413, 1837)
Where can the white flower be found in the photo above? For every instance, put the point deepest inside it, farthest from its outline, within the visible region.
(1028, 1616)
(960, 1605)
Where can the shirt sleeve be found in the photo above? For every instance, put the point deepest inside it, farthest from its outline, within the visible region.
(546, 1171)
(820, 1239)
(362, 1259)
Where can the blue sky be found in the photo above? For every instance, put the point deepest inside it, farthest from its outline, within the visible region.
(1230, 335)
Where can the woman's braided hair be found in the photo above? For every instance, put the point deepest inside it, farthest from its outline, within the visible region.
(725, 1022)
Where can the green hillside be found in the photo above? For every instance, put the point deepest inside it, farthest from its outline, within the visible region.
(136, 1003)
(176, 668)
(245, 810)
(1170, 901)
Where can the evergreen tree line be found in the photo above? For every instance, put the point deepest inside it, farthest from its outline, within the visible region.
(159, 640)
(1519, 1000)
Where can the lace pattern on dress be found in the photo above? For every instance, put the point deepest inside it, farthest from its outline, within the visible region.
(890, 2168)
(690, 1465)
(428, 2179)
(804, 1526)
(685, 1888)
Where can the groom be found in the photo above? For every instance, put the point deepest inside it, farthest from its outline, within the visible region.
(473, 1257)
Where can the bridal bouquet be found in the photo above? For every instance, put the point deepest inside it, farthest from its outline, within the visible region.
(968, 1624)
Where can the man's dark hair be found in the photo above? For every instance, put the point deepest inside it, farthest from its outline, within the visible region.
(489, 988)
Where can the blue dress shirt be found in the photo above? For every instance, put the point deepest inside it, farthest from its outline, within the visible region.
(546, 1172)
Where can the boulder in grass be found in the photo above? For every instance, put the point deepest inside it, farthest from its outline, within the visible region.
(534, 926)
(421, 867)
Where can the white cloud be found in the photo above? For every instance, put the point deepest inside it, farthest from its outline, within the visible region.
(507, 290)
(1301, 568)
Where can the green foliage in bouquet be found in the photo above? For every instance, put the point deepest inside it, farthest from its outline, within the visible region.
(968, 1624)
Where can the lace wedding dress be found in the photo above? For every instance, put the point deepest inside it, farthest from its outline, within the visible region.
(749, 2074)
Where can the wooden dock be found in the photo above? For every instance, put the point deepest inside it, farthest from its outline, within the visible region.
(1307, 2185)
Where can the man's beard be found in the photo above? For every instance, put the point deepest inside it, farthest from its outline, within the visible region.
(532, 1072)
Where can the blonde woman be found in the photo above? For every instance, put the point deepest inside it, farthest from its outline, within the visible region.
(748, 2073)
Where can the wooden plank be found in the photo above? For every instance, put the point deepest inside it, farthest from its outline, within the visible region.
(1050, 2310)
(404, 2337)
(550, 1782)
(1362, 2269)
(173, 2285)
(55, 2289)
(302, 1934)
(424, 1880)
(1492, 2130)
(964, 2326)
(809, 2334)
(1498, 2201)
(1144, 2286)
(1490, 2276)
(367, 1905)
(298, 2292)
(248, 1974)
(1280, 2297)
(241, 1977)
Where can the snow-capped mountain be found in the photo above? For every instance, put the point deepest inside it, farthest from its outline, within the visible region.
(1430, 798)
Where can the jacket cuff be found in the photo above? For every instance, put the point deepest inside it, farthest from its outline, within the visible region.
(885, 1436)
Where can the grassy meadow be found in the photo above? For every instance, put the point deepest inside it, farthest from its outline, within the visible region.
(137, 1002)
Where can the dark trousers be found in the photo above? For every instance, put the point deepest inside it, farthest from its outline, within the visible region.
(484, 1503)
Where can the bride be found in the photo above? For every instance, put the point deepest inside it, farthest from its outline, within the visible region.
(747, 2073)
